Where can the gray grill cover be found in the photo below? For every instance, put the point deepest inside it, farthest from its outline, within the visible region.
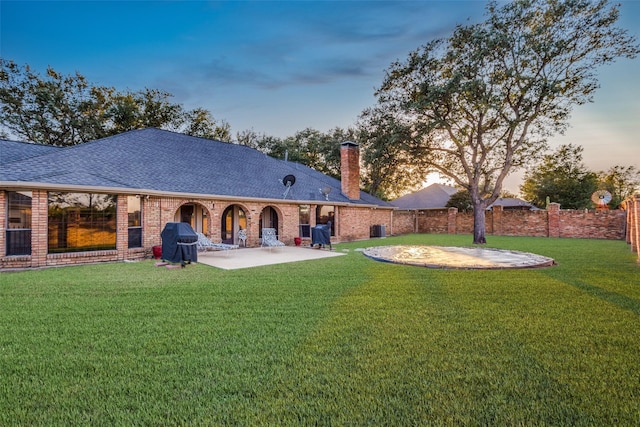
(179, 243)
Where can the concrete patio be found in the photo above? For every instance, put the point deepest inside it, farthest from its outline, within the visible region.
(255, 257)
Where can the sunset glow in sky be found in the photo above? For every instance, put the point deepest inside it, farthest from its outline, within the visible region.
(280, 67)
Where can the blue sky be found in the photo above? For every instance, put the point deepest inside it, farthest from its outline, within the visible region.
(280, 67)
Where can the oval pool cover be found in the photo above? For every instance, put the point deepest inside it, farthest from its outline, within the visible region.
(457, 257)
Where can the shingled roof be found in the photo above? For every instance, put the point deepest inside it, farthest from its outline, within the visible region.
(15, 150)
(435, 196)
(154, 160)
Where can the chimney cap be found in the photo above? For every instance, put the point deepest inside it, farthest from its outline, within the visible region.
(349, 144)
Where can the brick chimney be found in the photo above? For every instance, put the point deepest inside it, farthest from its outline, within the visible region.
(350, 169)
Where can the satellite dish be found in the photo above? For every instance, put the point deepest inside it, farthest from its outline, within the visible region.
(601, 198)
(325, 192)
(288, 182)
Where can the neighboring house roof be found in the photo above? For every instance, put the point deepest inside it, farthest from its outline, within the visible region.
(15, 150)
(512, 202)
(155, 160)
(434, 196)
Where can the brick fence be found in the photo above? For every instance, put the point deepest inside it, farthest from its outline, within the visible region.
(553, 222)
(633, 223)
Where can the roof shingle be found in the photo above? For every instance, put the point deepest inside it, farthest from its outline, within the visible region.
(158, 160)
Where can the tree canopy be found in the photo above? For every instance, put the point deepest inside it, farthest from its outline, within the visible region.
(562, 178)
(482, 102)
(67, 110)
(621, 181)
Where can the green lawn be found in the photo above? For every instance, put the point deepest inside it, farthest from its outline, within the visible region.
(338, 341)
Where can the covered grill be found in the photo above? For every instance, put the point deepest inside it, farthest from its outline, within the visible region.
(321, 235)
(179, 243)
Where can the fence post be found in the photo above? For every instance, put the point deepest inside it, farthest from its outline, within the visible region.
(452, 214)
(497, 219)
(553, 219)
(634, 224)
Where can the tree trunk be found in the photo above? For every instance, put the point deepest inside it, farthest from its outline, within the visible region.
(479, 225)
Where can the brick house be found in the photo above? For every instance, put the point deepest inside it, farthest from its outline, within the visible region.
(109, 199)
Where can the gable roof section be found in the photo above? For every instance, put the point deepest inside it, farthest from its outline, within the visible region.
(435, 196)
(155, 160)
(14, 150)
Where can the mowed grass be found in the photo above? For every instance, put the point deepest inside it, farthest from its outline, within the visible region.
(338, 341)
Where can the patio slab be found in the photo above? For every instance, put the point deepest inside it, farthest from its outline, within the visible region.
(255, 257)
(449, 257)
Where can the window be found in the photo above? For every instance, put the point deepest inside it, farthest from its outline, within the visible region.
(134, 214)
(18, 223)
(81, 222)
(304, 216)
(324, 214)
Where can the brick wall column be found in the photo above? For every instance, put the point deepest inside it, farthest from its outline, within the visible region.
(122, 226)
(630, 207)
(452, 214)
(553, 219)
(39, 228)
(3, 223)
(634, 224)
(497, 220)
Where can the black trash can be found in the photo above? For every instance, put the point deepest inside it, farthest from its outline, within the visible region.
(179, 243)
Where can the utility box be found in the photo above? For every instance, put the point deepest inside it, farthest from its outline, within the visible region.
(378, 230)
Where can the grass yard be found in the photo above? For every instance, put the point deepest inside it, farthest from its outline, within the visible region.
(338, 341)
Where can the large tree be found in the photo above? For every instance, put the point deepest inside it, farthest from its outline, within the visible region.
(63, 110)
(391, 161)
(310, 147)
(561, 177)
(484, 100)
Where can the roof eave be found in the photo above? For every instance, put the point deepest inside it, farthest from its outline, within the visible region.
(23, 185)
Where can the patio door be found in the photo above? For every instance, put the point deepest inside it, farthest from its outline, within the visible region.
(195, 216)
(233, 219)
(268, 219)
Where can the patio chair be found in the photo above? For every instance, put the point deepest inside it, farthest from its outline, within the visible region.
(204, 244)
(242, 237)
(270, 238)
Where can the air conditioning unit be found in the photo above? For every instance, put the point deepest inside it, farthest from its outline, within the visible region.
(378, 230)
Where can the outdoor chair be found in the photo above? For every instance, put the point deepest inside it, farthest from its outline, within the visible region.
(242, 237)
(204, 244)
(270, 238)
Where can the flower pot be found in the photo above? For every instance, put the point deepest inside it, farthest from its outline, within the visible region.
(157, 251)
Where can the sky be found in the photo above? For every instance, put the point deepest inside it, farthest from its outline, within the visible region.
(279, 67)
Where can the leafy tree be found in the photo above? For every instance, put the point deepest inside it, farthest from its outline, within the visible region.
(562, 178)
(66, 110)
(622, 182)
(461, 200)
(200, 122)
(391, 163)
(483, 101)
(310, 147)
(58, 110)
